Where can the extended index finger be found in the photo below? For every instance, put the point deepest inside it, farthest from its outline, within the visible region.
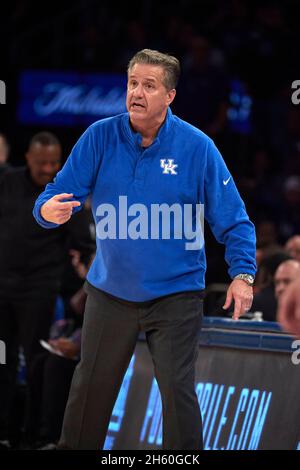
(237, 308)
(62, 196)
(68, 204)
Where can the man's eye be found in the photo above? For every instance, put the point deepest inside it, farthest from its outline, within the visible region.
(149, 86)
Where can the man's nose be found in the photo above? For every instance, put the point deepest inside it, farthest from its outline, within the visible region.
(138, 91)
(279, 289)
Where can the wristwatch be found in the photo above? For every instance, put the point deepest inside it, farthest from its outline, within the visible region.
(248, 278)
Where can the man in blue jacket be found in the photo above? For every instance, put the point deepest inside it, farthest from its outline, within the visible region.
(147, 163)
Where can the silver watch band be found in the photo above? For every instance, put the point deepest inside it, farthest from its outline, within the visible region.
(248, 278)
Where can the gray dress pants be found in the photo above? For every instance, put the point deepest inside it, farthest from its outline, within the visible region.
(110, 331)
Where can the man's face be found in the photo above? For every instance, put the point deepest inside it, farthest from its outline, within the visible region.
(286, 273)
(293, 248)
(3, 150)
(147, 97)
(43, 162)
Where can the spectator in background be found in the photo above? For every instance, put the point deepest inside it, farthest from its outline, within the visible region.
(288, 314)
(285, 274)
(4, 153)
(52, 372)
(264, 299)
(31, 265)
(292, 247)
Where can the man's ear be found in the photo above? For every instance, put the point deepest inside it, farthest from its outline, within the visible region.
(171, 95)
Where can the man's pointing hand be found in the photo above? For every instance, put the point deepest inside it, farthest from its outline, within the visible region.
(57, 210)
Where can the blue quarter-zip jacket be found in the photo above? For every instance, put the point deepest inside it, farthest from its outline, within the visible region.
(108, 161)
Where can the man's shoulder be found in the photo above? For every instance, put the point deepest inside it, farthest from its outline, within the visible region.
(187, 130)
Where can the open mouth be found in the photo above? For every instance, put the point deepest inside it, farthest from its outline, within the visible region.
(137, 106)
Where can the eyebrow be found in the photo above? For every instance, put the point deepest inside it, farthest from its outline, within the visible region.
(146, 79)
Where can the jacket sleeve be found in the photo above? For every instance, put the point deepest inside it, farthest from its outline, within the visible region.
(226, 214)
(77, 176)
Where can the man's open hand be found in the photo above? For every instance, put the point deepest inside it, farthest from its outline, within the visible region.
(56, 210)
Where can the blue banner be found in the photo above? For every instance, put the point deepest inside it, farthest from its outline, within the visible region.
(69, 98)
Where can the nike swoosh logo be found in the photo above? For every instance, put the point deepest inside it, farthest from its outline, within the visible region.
(225, 182)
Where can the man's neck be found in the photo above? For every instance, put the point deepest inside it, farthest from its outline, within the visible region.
(148, 131)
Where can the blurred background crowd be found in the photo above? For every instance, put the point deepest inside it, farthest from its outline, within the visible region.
(238, 58)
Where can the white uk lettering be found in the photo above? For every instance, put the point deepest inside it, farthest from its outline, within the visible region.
(169, 168)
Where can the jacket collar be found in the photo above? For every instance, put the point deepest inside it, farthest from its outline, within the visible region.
(136, 138)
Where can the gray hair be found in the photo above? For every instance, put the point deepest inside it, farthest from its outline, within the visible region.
(168, 62)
